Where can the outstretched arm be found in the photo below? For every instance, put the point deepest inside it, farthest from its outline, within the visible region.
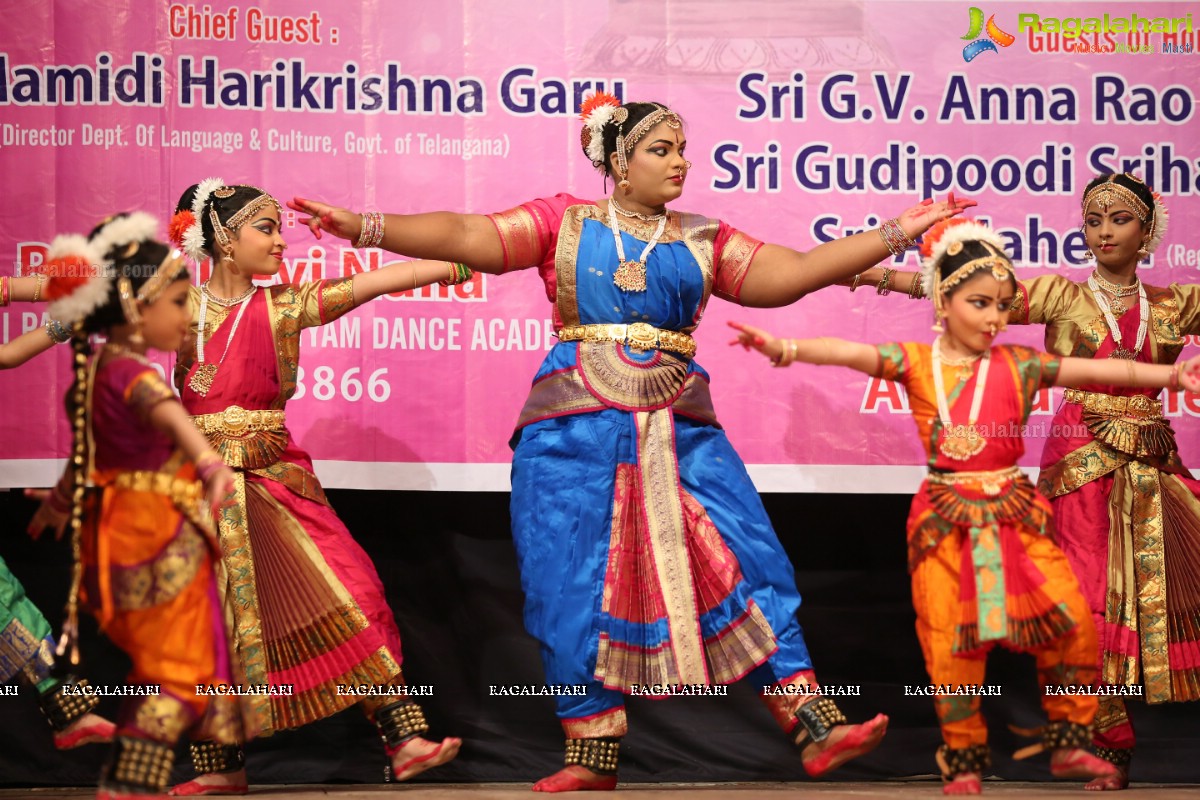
(823, 350)
(1119, 372)
(441, 235)
(170, 418)
(403, 277)
(22, 290)
(25, 347)
(780, 275)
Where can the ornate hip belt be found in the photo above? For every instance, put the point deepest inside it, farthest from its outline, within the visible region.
(638, 335)
(1137, 405)
(245, 439)
(182, 492)
(990, 481)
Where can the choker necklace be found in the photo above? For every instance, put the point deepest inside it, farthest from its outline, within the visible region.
(630, 276)
(624, 212)
(1114, 289)
(226, 302)
(1094, 283)
(960, 442)
(202, 379)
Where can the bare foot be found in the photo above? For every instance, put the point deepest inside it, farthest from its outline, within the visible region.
(213, 783)
(963, 783)
(576, 779)
(843, 743)
(418, 754)
(1109, 783)
(1077, 763)
(88, 729)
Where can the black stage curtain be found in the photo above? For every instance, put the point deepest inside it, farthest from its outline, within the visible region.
(450, 570)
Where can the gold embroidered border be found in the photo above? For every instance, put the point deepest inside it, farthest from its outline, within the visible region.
(328, 632)
(20, 648)
(1079, 467)
(518, 231)
(145, 392)
(1120, 669)
(1112, 713)
(283, 314)
(241, 598)
(611, 723)
(336, 299)
(619, 667)
(736, 258)
(296, 478)
(163, 577)
(659, 474)
(1150, 570)
(565, 393)
(161, 717)
(323, 700)
(700, 234)
(746, 643)
(620, 383)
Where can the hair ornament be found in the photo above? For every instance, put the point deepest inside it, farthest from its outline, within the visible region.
(76, 281)
(596, 111)
(936, 244)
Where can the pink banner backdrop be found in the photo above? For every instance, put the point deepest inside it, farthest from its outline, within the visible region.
(806, 121)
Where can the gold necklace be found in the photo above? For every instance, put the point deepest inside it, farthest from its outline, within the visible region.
(226, 302)
(965, 364)
(118, 350)
(1113, 289)
(644, 217)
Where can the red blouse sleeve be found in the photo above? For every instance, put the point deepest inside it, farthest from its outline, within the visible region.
(733, 251)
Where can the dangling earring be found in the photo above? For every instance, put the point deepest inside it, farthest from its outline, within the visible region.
(1089, 256)
(1142, 251)
(937, 323)
(136, 338)
(623, 184)
(233, 265)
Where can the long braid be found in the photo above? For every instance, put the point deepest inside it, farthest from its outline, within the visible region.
(79, 400)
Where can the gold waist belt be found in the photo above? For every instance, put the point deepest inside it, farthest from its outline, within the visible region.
(1109, 405)
(245, 439)
(990, 481)
(639, 336)
(182, 492)
(236, 421)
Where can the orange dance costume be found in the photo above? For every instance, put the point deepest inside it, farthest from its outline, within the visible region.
(985, 567)
(148, 574)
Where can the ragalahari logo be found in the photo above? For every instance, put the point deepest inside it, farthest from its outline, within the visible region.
(995, 36)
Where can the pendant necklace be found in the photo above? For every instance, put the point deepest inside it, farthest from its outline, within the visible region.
(957, 443)
(1143, 307)
(202, 379)
(631, 275)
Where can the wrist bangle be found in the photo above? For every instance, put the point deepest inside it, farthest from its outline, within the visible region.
(37, 286)
(459, 273)
(855, 282)
(57, 332)
(917, 290)
(371, 232)
(5, 299)
(207, 465)
(1173, 383)
(787, 352)
(885, 282)
(894, 238)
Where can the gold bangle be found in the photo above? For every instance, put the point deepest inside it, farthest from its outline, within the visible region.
(917, 290)
(855, 282)
(884, 287)
(787, 352)
(37, 286)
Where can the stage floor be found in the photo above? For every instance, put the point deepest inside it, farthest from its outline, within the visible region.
(895, 790)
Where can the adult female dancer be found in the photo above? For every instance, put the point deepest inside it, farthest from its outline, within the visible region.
(982, 553)
(26, 644)
(1126, 508)
(142, 534)
(645, 553)
(308, 607)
